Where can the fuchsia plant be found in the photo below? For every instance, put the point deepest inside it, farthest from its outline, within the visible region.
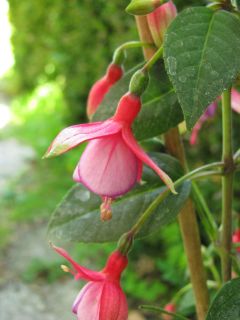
(197, 48)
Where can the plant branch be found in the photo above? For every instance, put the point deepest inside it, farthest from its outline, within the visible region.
(162, 310)
(227, 185)
(187, 217)
(190, 233)
(195, 174)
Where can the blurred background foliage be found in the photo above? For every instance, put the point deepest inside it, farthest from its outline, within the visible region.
(60, 49)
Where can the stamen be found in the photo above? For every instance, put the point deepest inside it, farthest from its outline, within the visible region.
(106, 210)
(66, 269)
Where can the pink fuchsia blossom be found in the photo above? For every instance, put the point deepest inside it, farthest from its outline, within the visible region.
(102, 297)
(159, 20)
(210, 112)
(101, 88)
(236, 239)
(112, 162)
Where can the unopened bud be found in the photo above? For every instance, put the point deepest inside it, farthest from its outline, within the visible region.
(170, 307)
(143, 7)
(159, 20)
(139, 82)
(236, 239)
(119, 56)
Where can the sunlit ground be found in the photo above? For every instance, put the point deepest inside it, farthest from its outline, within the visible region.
(6, 57)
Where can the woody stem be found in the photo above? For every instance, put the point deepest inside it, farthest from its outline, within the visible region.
(187, 217)
(227, 185)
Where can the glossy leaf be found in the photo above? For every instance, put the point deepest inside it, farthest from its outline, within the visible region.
(201, 53)
(77, 218)
(160, 111)
(226, 304)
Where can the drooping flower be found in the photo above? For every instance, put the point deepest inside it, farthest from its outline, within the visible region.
(102, 297)
(236, 239)
(112, 162)
(101, 88)
(210, 112)
(159, 20)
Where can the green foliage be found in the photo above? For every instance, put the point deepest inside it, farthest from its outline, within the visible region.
(160, 110)
(42, 270)
(226, 303)
(199, 57)
(39, 115)
(70, 41)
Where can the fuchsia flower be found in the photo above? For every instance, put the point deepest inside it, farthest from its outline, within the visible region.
(236, 239)
(210, 112)
(101, 88)
(112, 162)
(102, 298)
(159, 20)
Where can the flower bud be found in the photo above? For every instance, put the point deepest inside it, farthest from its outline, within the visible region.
(170, 307)
(159, 20)
(119, 56)
(142, 7)
(101, 88)
(139, 82)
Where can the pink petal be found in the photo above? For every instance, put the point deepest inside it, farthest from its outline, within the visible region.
(140, 153)
(82, 273)
(108, 167)
(195, 133)
(113, 303)
(72, 136)
(235, 100)
(101, 301)
(80, 297)
(88, 306)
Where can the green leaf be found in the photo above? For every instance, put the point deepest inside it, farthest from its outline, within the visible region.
(160, 111)
(201, 53)
(77, 218)
(225, 305)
